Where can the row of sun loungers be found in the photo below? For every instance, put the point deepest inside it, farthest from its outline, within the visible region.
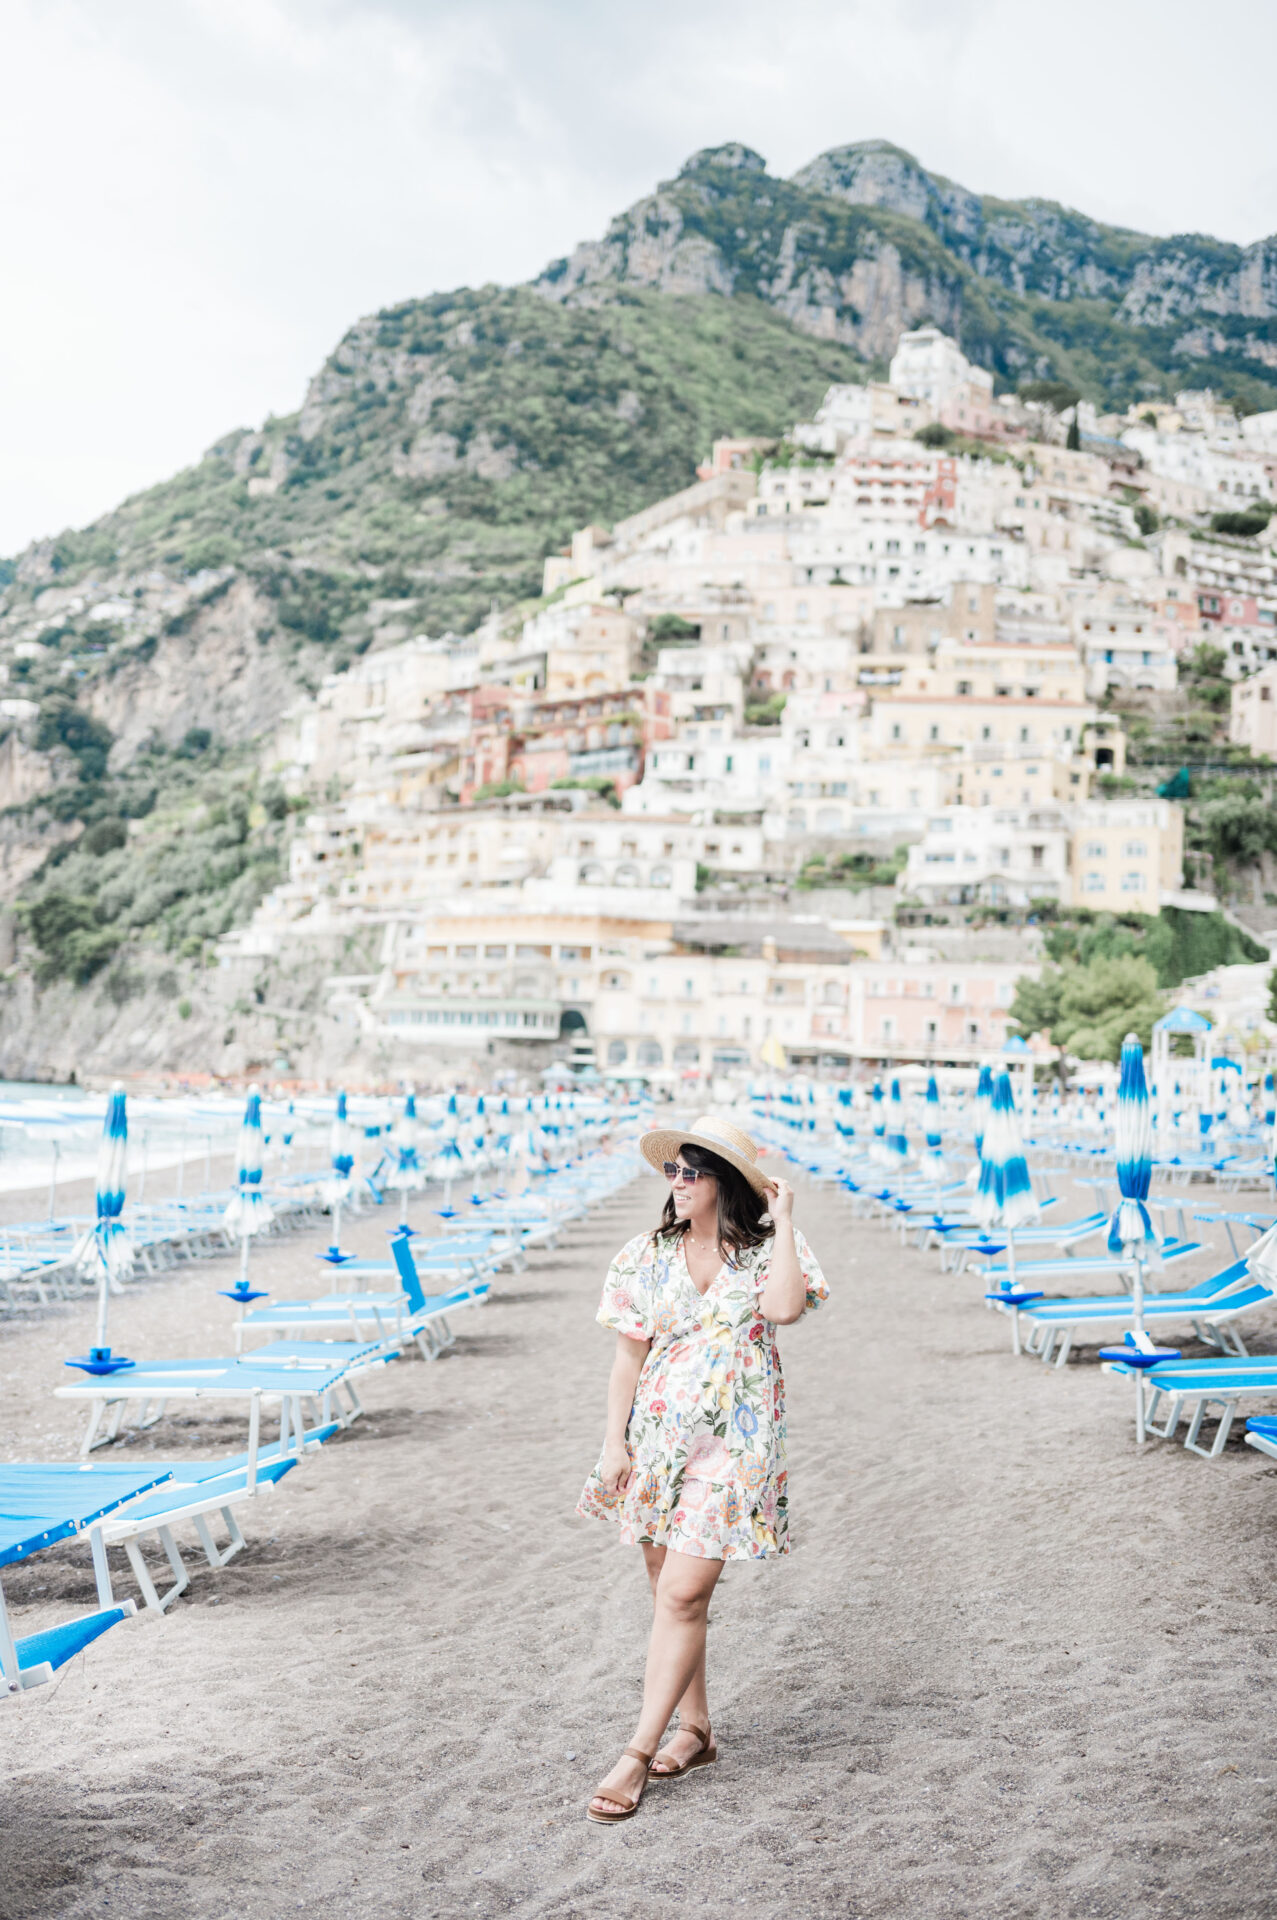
(40, 1260)
(302, 1373)
(1196, 1398)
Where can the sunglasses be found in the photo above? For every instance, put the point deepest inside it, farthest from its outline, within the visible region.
(689, 1175)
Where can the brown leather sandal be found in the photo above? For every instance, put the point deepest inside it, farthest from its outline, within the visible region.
(705, 1758)
(631, 1806)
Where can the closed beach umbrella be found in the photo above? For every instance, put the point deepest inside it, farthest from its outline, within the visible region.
(1004, 1197)
(108, 1250)
(897, 1140)
(878, 1147)
(406, 1171)
(983, 1103)
(249, 1211)
(933, 1159)
(341, 1158)
(1131, 1230)
(448, 1162)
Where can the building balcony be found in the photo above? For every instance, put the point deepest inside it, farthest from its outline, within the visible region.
(453, 1019)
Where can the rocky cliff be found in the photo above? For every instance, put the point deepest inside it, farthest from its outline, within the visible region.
(445, 446)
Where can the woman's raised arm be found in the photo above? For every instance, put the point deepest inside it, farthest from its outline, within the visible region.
(784, 1297)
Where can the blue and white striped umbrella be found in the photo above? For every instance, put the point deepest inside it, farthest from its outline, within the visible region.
(983, 1104)
(1004, 1197)
(933, 1158)
(448, 1161)
(249, 1210)
(878, 1146)
(107, 1250)
(1130, 1228)
(341, 1152)
(897, 1139)
(1270, 1101)
(406, 1172)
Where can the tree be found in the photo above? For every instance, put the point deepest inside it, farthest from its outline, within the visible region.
(1073, 439)
(1245, 524)
(1147, 518)
(1056, 394)
(1088, 1009)
(1102, 1003)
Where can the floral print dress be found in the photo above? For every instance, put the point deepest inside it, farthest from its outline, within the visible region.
(707, 1431)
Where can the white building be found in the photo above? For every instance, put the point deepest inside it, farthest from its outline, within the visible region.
(930, 366)
(989, 856)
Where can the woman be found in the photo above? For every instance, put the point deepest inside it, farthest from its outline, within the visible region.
(693, 1463)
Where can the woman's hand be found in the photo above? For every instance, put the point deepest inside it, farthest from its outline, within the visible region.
(615, 1468)
(780, 1203)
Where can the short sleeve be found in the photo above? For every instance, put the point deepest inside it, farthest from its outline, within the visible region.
(808, 1265)
(626, 1305)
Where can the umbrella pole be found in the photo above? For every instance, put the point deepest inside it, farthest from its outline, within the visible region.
(243, 1260)
(403, 1206)
(104, 1289)
(1015, 1311)
(53, 1182)
(1137, 1315)
(181, 1158)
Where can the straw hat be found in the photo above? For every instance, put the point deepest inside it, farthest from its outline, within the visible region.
(717, 1135)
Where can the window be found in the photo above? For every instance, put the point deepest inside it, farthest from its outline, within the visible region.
(896, 731)
(964, 686)
(616, 1053)
(1133, 882)
(1093, 883)
(933, 733)
(660, 877)
(1037, 856)
(1134, 850)
(650, 1053)
(687, 1054)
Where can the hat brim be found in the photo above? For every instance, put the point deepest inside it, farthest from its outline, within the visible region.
(658, 1147)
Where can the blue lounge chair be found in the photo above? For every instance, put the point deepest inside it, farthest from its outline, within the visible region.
(1210, 1306)
(1261, 1433)
(194, 1493)
(405, 1315)
(286, 1377)
(1029, 1272)
(40, 1505)
(1200, 1388)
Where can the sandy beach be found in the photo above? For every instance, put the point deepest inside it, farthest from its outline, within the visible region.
(1011, 1669)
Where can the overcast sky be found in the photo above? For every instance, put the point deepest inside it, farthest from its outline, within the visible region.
(198, 196)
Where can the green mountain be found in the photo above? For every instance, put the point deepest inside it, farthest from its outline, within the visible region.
(864, 242)
(449, 443)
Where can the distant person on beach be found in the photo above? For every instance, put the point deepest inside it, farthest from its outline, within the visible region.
(693, 1463)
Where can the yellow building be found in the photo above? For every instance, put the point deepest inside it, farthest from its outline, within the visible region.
(1126, 854)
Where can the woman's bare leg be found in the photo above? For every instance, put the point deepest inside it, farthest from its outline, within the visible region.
(675, 1662)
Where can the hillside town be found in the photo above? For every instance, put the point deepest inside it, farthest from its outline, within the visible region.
(787, 766)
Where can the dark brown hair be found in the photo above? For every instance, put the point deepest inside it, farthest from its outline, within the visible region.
(740, 1209)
